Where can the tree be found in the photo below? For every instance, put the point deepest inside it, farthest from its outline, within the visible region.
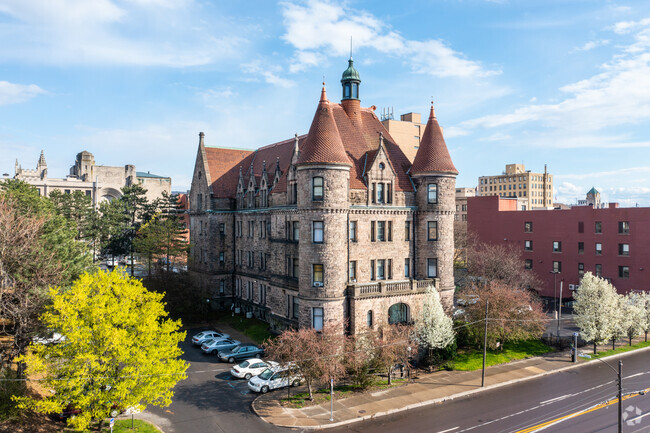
(77, 208)
(645, 296)
(161, 237)
(633, 315)
(119, 349)
(37, 249)
(595, 309)
(359, 359)
(513, 314)
(487, 262)
(394, 345)
(433, 328)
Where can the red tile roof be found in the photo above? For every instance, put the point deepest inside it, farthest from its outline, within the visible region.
(433, 155)
(333, 138)
(323, 144)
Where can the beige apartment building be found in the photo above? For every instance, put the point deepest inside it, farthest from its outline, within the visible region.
(461, 203)
(533, 190)
(407, 132)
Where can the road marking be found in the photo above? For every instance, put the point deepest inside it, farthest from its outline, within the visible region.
(555, 399)
(448, 430)
(552, 422)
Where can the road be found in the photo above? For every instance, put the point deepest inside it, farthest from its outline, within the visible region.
(209, 400)
(532, 405)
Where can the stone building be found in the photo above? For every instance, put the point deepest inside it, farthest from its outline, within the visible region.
(98, 181)
(333, 226)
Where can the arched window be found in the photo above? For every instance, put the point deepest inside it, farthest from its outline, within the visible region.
(398, 313)
(369, 319)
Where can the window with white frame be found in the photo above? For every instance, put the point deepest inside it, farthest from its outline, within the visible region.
(432, 268)
(317, 232)
(317, 318)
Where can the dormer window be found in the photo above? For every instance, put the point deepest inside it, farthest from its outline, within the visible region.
(382, 193)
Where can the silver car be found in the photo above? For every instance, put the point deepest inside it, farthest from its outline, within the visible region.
(217, 345)
(204, 336)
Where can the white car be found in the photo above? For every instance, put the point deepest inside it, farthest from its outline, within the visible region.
(217, 345)
(201, 337)
(251, 367)
(274, 378)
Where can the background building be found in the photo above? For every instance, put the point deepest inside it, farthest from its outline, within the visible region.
(610, 242)
(534, 189)
(333, 226)
(97, 181)
(461, 202)
(407, 131)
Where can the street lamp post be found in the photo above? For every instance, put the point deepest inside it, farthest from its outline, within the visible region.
(620, 391)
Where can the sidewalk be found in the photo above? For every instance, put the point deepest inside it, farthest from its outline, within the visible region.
(428, 389)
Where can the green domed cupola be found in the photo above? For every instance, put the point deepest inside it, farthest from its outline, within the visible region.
(350, 81)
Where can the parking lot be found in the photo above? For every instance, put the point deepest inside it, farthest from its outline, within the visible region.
(210, 399)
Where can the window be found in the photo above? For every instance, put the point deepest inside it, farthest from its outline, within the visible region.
(599, 270)
(372, 270)
(432, 230)
(381, 231)
(598, 227)
(389, 267)
(623, 249)
(432, 268)
(528, 264)
(528, 245)
(295, 271)
(222, 258)
(380, 193)
(432, 193)
(581, 269)
(624, 227)
(318, 232)
(317, 188)
(581, 227)
(369, 318)
(390, 231)
(557, 246)
(296, 231)
(381, 269)
(528, 227)
(222, 229)
(317, 273)
(407, 230)
(353, 231)
(317, 318)
(557, 266)
(352, 271)
(222, 287)
(581, 247)
(624, 272)
(295, 307)
(372, 231)
(262, 294)
(599, 248)
(407, 265)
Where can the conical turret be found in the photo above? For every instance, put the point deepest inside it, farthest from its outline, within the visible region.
(433, 155)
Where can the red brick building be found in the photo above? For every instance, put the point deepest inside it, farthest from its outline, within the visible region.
(611, 242)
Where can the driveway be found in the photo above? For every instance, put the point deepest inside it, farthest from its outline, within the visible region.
(210, 399)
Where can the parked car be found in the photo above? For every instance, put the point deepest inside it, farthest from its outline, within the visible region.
(244, 351)
(52, 338)
(217, 345)
(274, 378)
(204, 336)
(251, 367)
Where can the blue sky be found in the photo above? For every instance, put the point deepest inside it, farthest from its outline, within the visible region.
(562, 83)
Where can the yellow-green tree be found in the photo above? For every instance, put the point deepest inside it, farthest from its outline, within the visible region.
(119, 349)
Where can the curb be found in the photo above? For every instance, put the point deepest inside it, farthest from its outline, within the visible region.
(446, 398)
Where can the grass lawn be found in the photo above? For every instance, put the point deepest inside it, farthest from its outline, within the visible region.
(254, 329)
(620, 349)
(472, 359)
(124, 426)
(301, 399)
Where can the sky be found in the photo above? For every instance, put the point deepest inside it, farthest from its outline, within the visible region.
(559, 83)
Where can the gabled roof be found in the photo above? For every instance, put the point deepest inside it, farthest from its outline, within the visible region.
(432, 155)
(220, 162)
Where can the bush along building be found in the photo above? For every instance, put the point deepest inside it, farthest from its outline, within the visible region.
(334, 226)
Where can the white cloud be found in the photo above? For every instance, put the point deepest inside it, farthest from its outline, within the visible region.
(591, 45)
(270, 73)
(308, 23)
(11, 93)
(635, 171)
(145, 32)
(618, 95)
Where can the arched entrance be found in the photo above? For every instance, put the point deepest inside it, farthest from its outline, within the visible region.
(399, 313)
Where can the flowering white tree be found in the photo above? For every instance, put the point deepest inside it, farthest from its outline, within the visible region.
(596, 309)
(645, 297)
(634, 315)
(434, 329)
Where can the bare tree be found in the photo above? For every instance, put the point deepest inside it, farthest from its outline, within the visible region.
(513, 314)
(394, 345)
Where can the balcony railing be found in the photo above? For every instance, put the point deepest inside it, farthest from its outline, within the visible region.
(390, 288)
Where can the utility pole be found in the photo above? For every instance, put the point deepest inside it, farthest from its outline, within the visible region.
(559, 316)
(484, 344)
(620, 396)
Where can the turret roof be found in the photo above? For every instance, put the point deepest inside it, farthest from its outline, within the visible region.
(432, 155)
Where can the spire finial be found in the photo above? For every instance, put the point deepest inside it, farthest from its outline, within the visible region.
(323, 94)
(350, 47)
(432, 114)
